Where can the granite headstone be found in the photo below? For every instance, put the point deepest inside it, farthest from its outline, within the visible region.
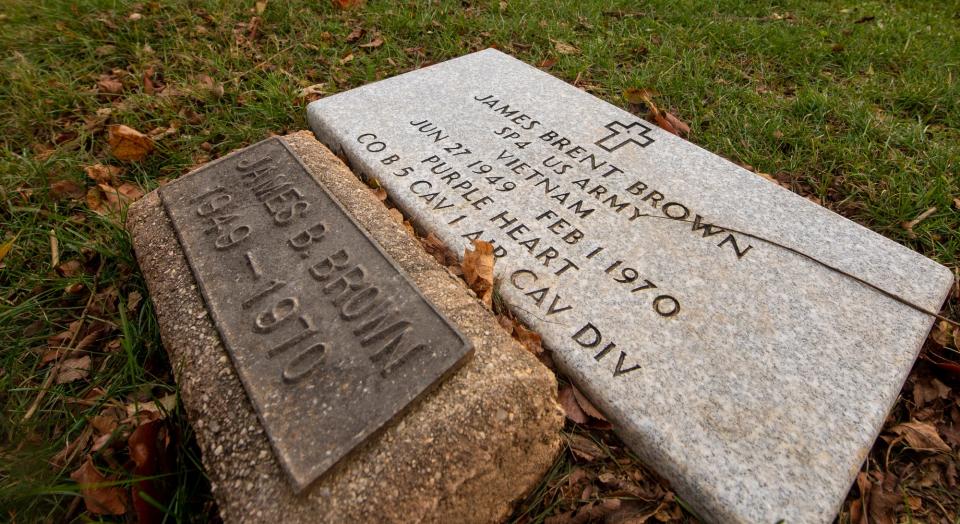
(745, 342)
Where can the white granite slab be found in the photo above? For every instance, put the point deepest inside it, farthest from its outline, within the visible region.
(752, 377)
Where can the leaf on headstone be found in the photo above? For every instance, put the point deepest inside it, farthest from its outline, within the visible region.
(477, 268)
(66, 189)
(921, 436)
(909, 225)
(376, 42)
(128, 144)
(99, 499)
(103, 174)
(73, 369)
(564, 48)
(109, 84)
(571, 408)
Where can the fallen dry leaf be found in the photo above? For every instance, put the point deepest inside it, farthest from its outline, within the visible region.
(146, 445)
(128, 144)
(586, 406)
(99, 499)
(564, 48)
(211, 86)
(909, 225)
(109, 84)
(570, 406)
(103, 174)
(583, 447)
(66, 189)
(6, 247)
(665, 120)
(346, 59)
(346, 4)
(956, 203)
(637, 96)
(355, 35)
(73, 369)
(921, 436)
(373, 44)
(477, 268)
(438, 249)
(530, 339)
(547, 63)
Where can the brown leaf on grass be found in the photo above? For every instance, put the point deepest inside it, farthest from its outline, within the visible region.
(637, 96)
(6, 247)
(146, 450)
(103, 174)
(571, 408)
(355, 35)
(530, 339)
(477, 268)
(109, 84)
(547, 63)
(99, 499)
(347, 4)
(564, 48)
(109, 199)
(956, 203)
(346, 59)
(73, 369)
(211, 86)
(65, 456)
(909, 225)
(147, 77)
(665, 120)
(66, 189)
(133, 301)
(373, 44)
(128, 144)
(921, 436)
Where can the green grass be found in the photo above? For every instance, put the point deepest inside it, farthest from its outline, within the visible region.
(861, 113)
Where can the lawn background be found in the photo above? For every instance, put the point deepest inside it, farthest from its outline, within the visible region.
(853, 104)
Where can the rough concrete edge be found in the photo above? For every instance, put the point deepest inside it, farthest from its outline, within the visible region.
(141, 212)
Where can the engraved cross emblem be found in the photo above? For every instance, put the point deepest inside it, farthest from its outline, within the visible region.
(622, 134)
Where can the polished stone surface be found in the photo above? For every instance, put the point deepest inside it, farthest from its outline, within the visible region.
(330, 338)
(754, 377)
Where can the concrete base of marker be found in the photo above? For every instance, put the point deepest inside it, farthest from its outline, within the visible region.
(464, 453)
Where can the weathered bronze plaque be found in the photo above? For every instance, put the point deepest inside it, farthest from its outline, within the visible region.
(329, 337)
